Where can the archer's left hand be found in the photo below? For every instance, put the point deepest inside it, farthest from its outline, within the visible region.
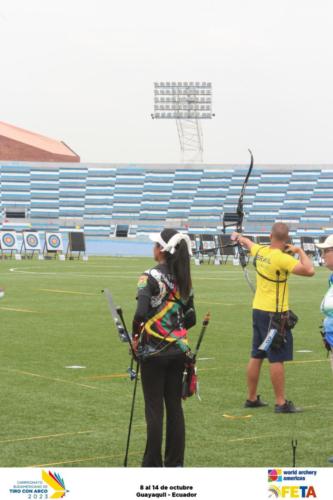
(235, 236)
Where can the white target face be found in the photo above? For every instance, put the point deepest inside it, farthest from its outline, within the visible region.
(8, 240)
(53, 242)
(32, 241)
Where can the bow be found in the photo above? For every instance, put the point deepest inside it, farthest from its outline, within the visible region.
(124, 336)
(239, 225)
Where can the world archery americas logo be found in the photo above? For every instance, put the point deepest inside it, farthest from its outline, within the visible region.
(274, 475)
(56, 482)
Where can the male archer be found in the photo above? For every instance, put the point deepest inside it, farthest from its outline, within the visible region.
(271, 313)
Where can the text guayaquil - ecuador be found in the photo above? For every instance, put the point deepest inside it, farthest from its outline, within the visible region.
(174, 494)
(171, 492)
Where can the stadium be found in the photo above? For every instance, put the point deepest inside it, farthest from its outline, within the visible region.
(66, 393)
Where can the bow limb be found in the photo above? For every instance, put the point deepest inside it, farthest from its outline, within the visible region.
(240, 213)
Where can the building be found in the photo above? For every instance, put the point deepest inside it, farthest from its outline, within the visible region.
(17, 144)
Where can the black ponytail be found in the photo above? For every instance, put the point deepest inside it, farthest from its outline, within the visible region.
(179, 266)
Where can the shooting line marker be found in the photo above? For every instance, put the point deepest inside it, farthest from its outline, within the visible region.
(77, 460)
(214, 303)
(206, 369)
(253, 438)
(65, 291)
(237, 417)
(62, 381)
(308, 361)
(14, 309)
(76, 367)
(48, 436)
(106, 377)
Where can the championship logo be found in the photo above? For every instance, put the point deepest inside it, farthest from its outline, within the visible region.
(50, 485)
(56, 482)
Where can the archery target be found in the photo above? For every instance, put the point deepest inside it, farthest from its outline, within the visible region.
(8, 240)
(53, 242)
(77, 241)
(31, 241)
(208, 245)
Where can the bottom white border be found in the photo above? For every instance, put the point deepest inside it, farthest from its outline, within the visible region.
(169, 484)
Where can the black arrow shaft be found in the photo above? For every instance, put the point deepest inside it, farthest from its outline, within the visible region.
(201, 335)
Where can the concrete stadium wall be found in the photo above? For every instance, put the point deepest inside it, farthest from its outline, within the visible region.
(95, 197)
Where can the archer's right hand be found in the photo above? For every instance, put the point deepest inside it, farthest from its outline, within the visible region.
(291, 249)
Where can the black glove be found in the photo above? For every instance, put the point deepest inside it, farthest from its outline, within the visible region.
(278, 341)
(189, 318)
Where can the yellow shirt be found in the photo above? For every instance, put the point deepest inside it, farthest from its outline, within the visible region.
(269, 261)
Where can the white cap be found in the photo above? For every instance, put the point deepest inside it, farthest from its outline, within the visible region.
(168, 239)
(328, 243)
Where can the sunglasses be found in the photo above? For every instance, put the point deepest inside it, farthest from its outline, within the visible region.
(327, 250)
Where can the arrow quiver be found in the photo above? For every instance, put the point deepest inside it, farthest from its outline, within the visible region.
(190, 383)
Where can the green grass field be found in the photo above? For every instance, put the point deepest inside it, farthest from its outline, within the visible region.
(54, 315)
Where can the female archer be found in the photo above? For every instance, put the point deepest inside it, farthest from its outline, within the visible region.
(164, 313)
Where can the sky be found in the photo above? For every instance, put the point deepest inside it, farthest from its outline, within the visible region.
(83, 72)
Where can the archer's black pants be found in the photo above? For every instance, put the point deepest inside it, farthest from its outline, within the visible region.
(162, 384)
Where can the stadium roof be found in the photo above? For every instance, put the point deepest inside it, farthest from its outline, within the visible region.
(37, 141)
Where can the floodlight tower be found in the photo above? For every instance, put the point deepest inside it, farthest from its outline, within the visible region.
(188, 103)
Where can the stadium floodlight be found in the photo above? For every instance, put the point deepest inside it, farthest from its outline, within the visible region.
(188, 103)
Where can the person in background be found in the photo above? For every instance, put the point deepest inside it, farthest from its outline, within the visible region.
(327, 303)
